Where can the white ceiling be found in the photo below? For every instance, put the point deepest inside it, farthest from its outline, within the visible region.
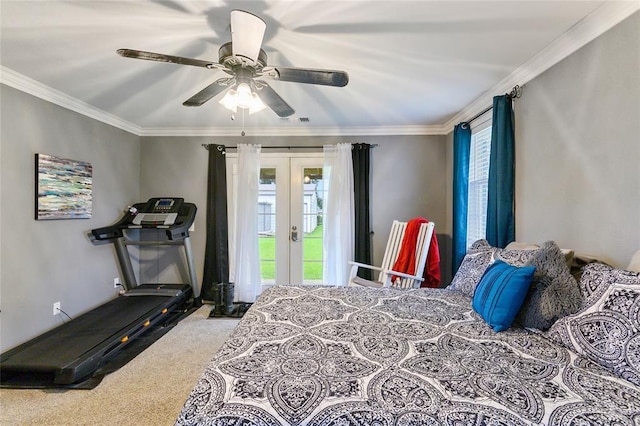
(414, 66)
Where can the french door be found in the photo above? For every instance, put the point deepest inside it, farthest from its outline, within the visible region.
(290, 201)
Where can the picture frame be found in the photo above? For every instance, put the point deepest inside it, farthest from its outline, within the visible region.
(63, 188)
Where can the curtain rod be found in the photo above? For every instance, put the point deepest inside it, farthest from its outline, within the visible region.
(515, 93)
(206, 146)
(478, 115)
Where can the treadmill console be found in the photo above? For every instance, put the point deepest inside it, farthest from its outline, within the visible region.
(163, 205)
(171, 214)
(158, 212)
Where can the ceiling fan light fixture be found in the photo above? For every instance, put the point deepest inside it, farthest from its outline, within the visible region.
(230, 100)
(256, 104)
(243, 93)
(242, 97)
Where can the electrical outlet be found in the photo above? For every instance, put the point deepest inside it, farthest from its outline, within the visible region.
(116, 282)
(56, 308)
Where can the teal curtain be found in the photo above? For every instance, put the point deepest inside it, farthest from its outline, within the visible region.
(461, 150)
(501, 196)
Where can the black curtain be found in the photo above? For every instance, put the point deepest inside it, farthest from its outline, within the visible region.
(361, 157)
(216, 255)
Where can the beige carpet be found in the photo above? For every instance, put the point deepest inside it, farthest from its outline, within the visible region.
(149, 390)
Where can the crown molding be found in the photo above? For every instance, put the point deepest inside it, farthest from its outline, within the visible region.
(25, 84)
(602, 19)
(300, 131)
(595, 24)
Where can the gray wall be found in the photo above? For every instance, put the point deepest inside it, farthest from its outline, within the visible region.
(578, 149)
(42, 262)
(407, 181)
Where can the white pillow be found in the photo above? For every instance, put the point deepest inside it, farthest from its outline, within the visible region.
(516, 245)
(634, 265)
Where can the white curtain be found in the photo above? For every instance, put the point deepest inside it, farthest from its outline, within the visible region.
(247, 278)
(338, 237)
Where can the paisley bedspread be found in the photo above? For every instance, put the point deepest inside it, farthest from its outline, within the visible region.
(360, 356)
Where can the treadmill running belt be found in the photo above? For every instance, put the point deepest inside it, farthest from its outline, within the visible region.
(77, 347)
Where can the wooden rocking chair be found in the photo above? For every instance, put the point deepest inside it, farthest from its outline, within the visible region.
(394, 244)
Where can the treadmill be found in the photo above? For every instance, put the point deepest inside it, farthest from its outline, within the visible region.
(71, 353)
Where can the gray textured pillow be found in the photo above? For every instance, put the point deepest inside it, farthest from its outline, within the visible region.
(607, 327)
(553, 294)
(478, 258)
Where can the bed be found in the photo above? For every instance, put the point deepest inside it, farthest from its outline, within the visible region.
(313, 355)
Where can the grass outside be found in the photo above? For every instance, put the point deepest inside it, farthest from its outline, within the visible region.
(312, 249)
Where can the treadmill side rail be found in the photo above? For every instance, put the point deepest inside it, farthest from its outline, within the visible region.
(168, 290)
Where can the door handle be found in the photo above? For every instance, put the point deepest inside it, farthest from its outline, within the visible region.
(294, 234)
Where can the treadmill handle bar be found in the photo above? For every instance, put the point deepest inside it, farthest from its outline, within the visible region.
(195, 284)
(124, 259)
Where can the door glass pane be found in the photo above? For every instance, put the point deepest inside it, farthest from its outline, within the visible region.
(312, 225)
(267, 224)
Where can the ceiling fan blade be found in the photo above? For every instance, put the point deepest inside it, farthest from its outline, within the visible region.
(208, 92)
(310, 76)
(159, 57)
(247, 32)
(273, 100)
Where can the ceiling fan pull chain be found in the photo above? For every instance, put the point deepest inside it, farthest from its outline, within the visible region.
(242, 133)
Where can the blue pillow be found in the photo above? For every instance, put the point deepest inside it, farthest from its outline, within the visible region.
(501, 292)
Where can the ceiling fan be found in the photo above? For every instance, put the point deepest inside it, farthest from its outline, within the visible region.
(246, 63)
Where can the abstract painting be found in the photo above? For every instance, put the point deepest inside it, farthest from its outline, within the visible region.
(63, 188)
